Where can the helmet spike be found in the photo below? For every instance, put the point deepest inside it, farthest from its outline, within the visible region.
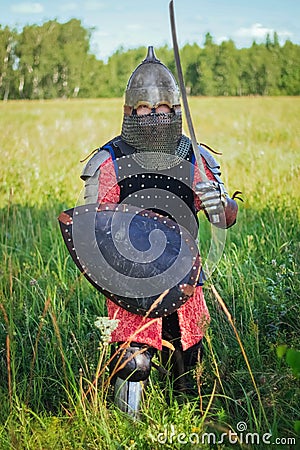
(152, 83)
(151, 58)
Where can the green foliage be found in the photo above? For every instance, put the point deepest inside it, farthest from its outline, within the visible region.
(53, 60)
(292, 357)
(49, 346)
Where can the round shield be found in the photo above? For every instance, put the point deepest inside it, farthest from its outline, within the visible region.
(143, 261)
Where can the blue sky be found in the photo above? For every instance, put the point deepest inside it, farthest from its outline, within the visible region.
(130, 23)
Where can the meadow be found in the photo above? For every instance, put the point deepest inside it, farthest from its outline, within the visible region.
(50, 349)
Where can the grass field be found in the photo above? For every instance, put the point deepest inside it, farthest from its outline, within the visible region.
(49, 346)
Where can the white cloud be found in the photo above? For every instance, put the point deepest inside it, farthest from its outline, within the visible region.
(256, 31)
(259, 32)
(222, 39)
(27, 8)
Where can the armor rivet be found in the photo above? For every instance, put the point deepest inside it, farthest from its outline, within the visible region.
(86, 209)
(173, 304)
(142, 185)
(69, 240)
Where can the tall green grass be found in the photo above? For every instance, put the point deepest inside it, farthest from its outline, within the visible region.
(49, 345)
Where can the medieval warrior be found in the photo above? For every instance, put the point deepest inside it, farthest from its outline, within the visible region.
(150, 165)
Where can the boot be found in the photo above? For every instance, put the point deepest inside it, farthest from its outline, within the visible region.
(131, 368)
(182, 363)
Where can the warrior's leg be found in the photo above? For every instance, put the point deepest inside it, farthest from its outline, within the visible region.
(182, 362)
(130, 369)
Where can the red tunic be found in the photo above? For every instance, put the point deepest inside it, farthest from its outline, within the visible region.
(193, 316)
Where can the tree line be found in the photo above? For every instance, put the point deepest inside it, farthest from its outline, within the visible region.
(54, 60)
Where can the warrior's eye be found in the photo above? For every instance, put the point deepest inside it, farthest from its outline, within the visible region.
(163, 109)
(142, 110)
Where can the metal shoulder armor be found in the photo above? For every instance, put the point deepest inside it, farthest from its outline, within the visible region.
(94, 163)
(90, 175)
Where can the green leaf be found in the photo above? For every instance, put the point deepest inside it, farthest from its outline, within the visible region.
(281, 350)
(293, 360)
(297, 426)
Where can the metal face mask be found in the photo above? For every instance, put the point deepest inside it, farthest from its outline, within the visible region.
(152, 84)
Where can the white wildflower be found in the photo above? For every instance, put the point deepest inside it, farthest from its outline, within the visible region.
(106, 327)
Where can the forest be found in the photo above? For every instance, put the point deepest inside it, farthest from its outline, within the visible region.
(54, 60)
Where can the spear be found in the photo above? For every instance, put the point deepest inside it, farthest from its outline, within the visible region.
(215, 217)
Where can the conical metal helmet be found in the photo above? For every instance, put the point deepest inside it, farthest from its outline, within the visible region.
(152, 84)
